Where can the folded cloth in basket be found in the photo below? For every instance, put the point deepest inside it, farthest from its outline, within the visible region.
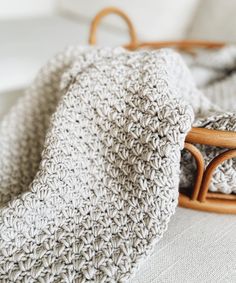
(214, 72)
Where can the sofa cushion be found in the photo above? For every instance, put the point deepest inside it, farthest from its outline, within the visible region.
(214, 20)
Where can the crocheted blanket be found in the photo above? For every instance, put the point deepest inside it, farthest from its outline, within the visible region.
(90, 164)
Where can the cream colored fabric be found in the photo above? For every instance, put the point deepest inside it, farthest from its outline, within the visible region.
(198, 247)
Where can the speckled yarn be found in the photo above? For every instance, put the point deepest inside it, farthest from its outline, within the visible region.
(91, 206)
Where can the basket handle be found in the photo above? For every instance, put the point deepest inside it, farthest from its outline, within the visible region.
(112, 10)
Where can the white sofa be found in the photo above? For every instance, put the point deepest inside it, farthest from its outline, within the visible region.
(197, 247)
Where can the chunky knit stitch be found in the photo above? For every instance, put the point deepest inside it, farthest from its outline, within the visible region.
(102, 192)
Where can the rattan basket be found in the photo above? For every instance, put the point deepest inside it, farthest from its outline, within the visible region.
(198, 197)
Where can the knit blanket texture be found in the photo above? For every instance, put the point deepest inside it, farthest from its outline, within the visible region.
(90, 161)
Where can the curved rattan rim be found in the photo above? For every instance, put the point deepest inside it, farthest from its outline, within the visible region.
(105, 12)
(200, 198)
